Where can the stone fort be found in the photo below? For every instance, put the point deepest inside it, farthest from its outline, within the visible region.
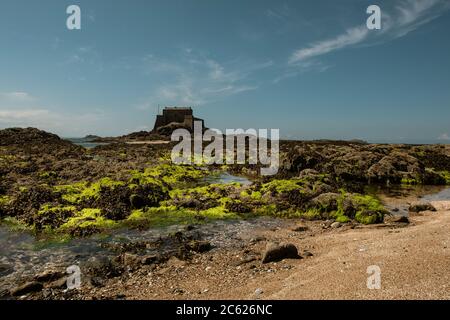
(176, 117)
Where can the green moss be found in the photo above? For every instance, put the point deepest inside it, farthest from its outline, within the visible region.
(16, 225)
(212, 191)
(282, 186)
(312, 214)
(173, 174)
(4, 200)
(48, 175)
(446, 176)
(89, 218)
(370, 209)
(77, 192)
(46, 208)
(266, 210)
(342, 219)
(365, 218)
(170, 215)
(217, 213)
(410, 181)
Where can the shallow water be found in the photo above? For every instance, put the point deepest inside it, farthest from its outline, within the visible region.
(22, 255)
(85, 143)
(225, 178)
(397, 199)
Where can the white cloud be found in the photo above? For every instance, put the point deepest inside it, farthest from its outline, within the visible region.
(406, 17)
(444, 136)
(49, 120)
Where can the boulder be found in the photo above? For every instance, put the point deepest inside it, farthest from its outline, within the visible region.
(326, 201)
(277, 252)
(420, 206)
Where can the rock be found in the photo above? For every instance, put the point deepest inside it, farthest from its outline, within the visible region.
(421, 206)
(259, 291)
(277, 252)
(58, 284)
(307, 254)
(396, 219)
(327, 223)
(336, 225)
(130, 259)
(326, 201)
(300, 228)
(48, 275)
(149, 259)
(199, 246)
(4, 293)
(28, 287)
(257, 239)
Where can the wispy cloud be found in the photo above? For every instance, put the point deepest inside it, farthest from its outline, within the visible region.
(196, 79)
(404, 18)
(350, 37)
(16, 97)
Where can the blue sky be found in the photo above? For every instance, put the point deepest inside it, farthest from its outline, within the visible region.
(310, 68)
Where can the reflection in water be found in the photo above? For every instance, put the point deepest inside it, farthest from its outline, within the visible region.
(225, 177)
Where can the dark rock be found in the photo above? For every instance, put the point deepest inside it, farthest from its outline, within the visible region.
(28, 287)
(199, 246)
(277, 252)
(300, 228)
(49, 275)
(149, 259)
(421, 206)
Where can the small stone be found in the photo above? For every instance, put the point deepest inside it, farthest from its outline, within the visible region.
(336, 225)
(207, 269)
(259, 291)
(300, 228)
(307, 254)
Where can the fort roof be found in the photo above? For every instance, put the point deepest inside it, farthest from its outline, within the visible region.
(177, 108)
